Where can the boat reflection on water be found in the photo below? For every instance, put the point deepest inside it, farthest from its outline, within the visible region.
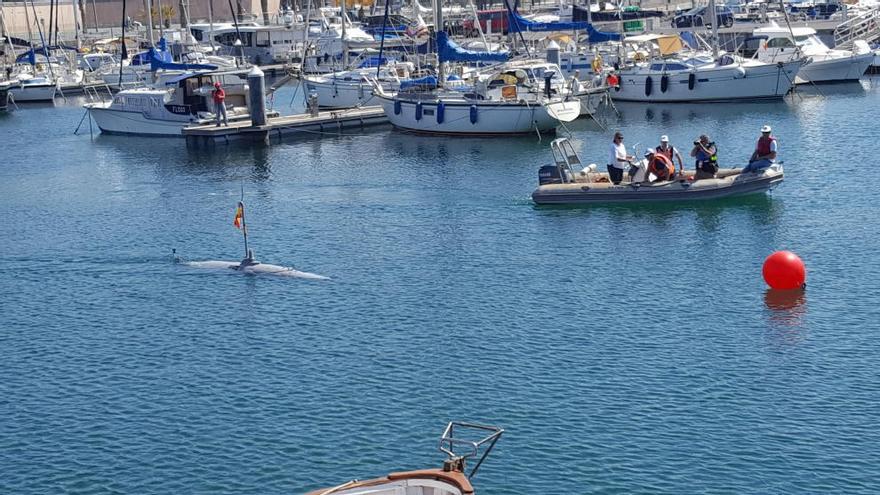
(786, 308)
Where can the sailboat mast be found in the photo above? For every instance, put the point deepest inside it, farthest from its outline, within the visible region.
(150, 23)
(438, 26)
(713, 12)
(244, 230)
(344, 42)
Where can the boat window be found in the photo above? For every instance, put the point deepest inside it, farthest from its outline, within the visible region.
(263, 38)
(780, 43)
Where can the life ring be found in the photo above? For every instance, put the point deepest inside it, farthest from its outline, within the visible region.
(664, 83)
(661, 166)
(596, 64)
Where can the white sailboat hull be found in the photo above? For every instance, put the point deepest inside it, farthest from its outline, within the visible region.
(725, 83)
(343, 94)
(33, 92)
(492, 118)
(837, 69)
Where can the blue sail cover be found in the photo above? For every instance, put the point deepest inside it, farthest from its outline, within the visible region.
(449, 51)
(520, 24)
(596, 36)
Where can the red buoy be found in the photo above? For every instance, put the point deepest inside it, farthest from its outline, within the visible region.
(784, 270)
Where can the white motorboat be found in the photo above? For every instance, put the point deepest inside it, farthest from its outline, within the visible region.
(567, 181)
(451, 479)
(826, 65)
(165, 110)
(349, 89)
(664, 73)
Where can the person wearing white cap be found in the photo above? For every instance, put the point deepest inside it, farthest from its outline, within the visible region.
(765, 152)
(670, 152)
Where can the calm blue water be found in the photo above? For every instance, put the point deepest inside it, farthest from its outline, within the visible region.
(624, 349)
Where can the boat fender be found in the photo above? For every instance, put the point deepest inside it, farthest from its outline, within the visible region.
(419, 111)
(692, 81)
(441, 112)
(397, 107)
(473, 114)
(740, 73)
(664, 83)
(648, 83)
(636, 185)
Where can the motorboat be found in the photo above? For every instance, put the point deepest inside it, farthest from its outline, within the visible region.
(512, 98)
(178, 101)
(567, 181)
(826, 65)
(353, 88)
(473, 442)
(664, 73)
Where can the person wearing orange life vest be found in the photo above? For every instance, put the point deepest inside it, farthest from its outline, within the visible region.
(660, 166)
(219, 97)
(765, 152)
(670, 152)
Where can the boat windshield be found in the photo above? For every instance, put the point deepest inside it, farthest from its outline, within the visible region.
(809, 41)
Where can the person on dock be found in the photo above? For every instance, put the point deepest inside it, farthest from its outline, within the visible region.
(765, 152)
(219, 97)
(707, 158)
(670, 152)
(617, 159)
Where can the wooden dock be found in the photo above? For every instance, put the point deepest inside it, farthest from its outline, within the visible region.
(277, 128)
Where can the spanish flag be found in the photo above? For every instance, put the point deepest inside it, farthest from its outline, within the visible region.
(239, 212)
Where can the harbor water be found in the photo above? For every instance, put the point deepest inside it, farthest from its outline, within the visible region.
(625, 349)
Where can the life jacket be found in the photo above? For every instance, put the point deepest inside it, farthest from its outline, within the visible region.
(764, 143)
(661, 166)
(668, 152)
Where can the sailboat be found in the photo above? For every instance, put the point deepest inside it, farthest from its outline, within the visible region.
(498, 102)
(248, 264)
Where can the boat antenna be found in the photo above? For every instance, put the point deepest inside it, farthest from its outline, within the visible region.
(247, 251)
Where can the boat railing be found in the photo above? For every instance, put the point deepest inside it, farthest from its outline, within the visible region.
(865, 26)
(480, 441)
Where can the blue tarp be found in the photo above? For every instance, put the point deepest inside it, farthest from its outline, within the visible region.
(601, 36)
(449, 51)
(429, 82)
(162, 60)
(519, 23)
(690, 39)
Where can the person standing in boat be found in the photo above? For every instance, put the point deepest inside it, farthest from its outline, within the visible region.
(765, 152)
(219, 97)
(707, 158)
(670, 152)
(617, 159)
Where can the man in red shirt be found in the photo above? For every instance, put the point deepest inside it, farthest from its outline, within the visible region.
(219, 97)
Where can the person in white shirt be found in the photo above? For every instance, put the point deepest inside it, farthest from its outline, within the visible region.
(617, 159)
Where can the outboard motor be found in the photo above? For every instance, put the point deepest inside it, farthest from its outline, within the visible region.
(549, 174)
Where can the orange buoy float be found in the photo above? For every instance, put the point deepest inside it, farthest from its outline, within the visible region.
(784, 270)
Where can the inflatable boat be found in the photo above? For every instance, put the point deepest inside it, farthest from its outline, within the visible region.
(566, 182)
